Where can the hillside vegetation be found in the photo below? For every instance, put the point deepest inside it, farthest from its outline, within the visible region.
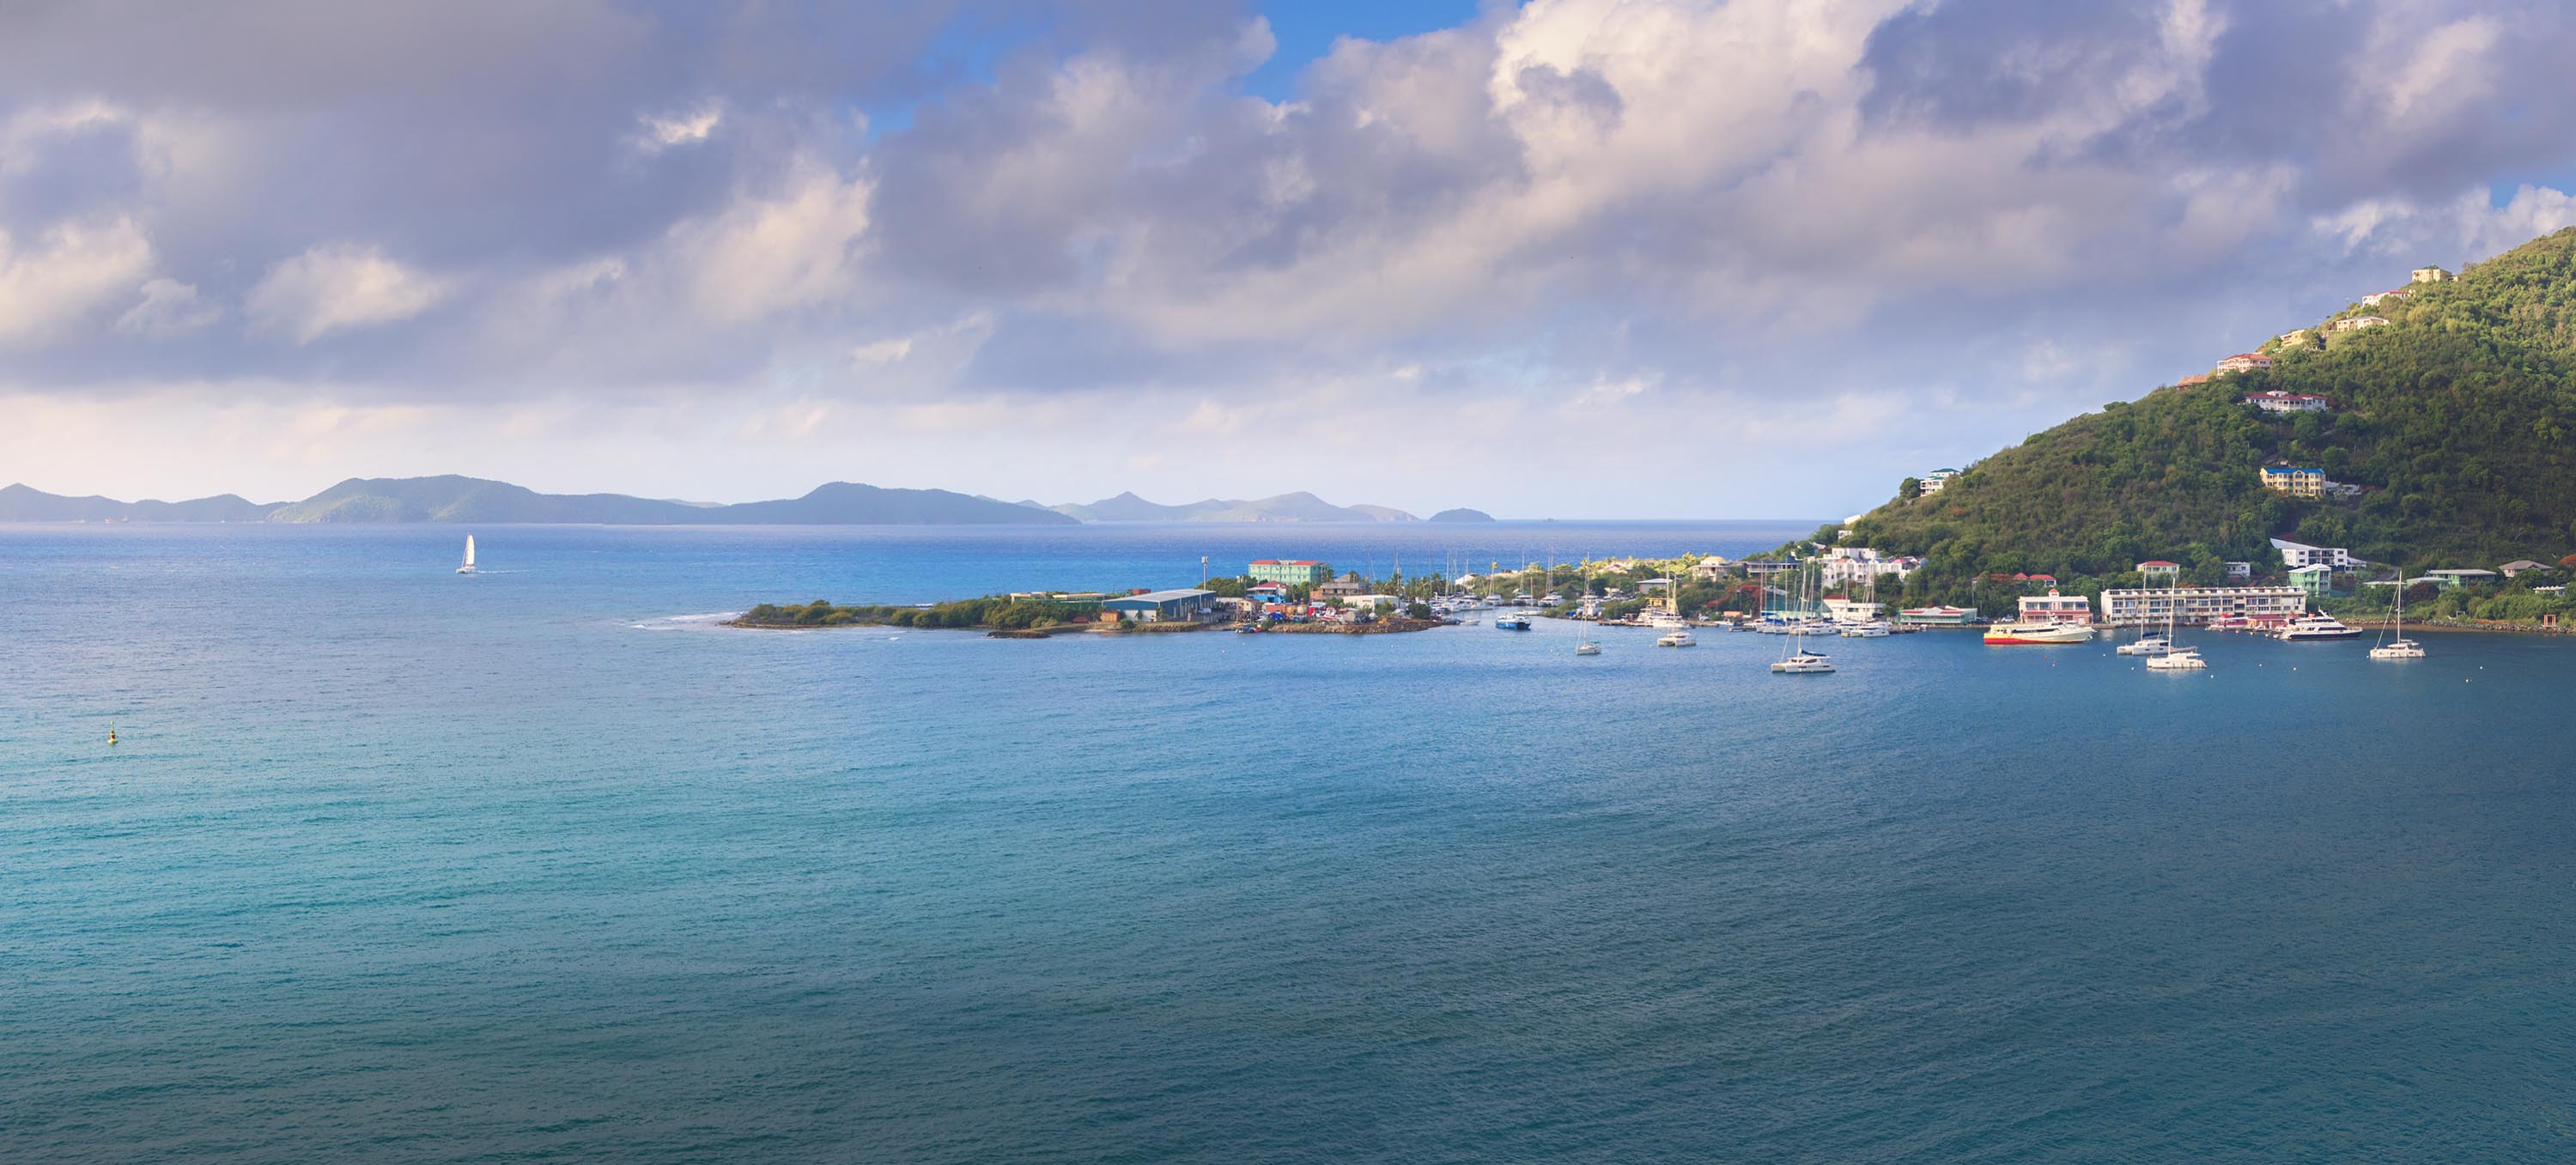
(2454, 418)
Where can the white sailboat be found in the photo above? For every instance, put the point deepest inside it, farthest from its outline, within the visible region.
(1586, 646)
(1800, 661)
(468, 568)
(2175, 657)
(2400, 647)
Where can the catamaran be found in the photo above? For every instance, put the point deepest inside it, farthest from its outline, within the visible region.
(2174, 658)
(2400, 647)
(1800, 661)
(468, 568)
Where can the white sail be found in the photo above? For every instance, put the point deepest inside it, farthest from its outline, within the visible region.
(468, 568)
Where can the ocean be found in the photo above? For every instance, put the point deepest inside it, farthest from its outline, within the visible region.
(544, 865)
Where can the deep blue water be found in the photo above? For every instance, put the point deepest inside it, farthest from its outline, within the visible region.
(392, 865)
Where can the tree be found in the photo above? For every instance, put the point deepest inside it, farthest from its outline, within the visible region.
(1909, 489)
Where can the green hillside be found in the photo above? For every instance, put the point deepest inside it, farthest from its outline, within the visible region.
(2454, 418)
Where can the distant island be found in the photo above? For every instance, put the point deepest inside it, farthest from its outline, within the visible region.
(455, 499)
(1288, 507)
(1462, 515)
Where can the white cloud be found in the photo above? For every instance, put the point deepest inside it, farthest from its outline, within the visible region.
(169, 309)
(678, 129)
(766, 254)
(71, 269)
(333, 288)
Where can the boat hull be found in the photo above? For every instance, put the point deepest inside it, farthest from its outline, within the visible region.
(2051, 636)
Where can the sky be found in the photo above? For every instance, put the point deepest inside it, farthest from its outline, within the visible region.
(1562, 258)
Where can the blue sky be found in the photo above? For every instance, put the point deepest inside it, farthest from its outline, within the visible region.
(1653, 258)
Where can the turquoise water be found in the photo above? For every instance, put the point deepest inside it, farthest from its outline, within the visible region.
(393, 865)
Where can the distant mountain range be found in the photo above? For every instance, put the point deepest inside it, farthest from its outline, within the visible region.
(469, 499)
(453, 499)
(1291, 507)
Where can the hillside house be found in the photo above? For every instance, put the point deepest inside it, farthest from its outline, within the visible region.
(2243, 362)
(2315, 580)
(2432, 275)
(2157, 570)
(2277, 401)
(1937, 480)
(2294, 339)
(2356, 323)
(2295, 480)
(2298, 554)
(2239, 570)
(2376, 298)
(2522, 566)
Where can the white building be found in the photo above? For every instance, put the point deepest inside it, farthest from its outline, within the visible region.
(2277, 401)
(1848, 611)
(2056, 608)
(1937, 480)
(2149, 605)
(2357, 323)
(2298, 554)
(2244, 362)
(1710, 568)
(1849, 565)
(2374, 299)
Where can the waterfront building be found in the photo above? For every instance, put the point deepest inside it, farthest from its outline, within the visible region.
(2277, 401)
(1334, 590)
(2295, 480)
(2298, 554)
(1295, 572)
(2149, 606)
(1938, 616)
(2316, 579)
(1268, 592)
(1157, 606)
(1851, 611)
(2056, 608)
